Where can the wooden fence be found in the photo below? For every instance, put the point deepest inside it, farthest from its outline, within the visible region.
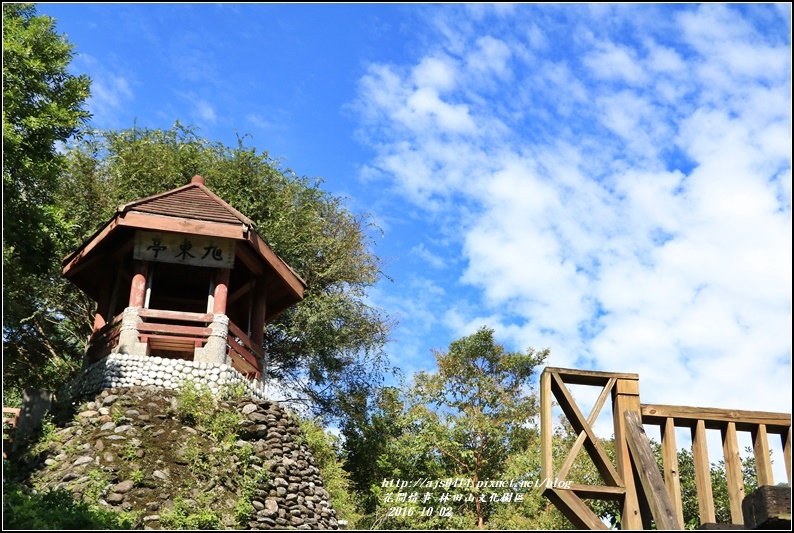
(634, 480)
(180, 333)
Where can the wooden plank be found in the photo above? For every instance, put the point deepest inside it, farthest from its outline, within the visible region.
(70, 261)
(786, 441)
(594, 412)
(623, 400)
(166, 339)
(768, 508)
(114, 323)
(175, 315)
(574, 509)
(164, 329)
(592, 444)
(589, 377)
(571, 457)
(290, 277)
(716, 418)
(598, 492)
(763, 461)
(651, 480)
(182, 249)
(247, 342)
(243, 360)
(244, 289)
(672, 479)
(700, 453)
(733, 472)
(546, 445)
(182, 225)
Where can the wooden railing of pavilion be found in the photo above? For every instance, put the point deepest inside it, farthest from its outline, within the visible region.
(634, 480)
(179, 331)
(104, 340)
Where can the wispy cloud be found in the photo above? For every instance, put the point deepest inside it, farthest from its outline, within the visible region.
(111, 91)
(619, 193)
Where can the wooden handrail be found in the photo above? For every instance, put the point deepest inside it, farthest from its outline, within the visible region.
(714, 418)
(158, 324)
(248, 355)
(618, 480)
(110, 325)
(171, 329)
(728, 421)
(175, 315)
(237, 332)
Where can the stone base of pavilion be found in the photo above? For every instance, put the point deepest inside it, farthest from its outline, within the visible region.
(126, 370)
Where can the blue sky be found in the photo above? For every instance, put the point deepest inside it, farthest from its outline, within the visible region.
(611, 182)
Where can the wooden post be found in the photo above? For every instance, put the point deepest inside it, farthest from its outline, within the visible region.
(626, 398)
(574, 509)
(102, 315)
(700, 453)
(651, 480)
(733, 472)
(259, 304)
(546, 463)
(672, 479)
(763, 462)
(768, 508)
(221, 292)
(786, 441)
(138, 285)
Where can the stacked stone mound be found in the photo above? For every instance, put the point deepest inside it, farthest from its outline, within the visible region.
(127, 450)
(295, 497)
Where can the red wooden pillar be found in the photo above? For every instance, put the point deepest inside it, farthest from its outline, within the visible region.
(138, 286)
(102, 308)
(258, 312)
(221, 294)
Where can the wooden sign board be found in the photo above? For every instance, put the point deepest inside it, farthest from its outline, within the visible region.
(194, 250)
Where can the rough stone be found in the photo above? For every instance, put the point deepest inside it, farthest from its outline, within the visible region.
(124, 486)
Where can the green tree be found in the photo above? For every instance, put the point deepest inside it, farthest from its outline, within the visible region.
(719, 487)
(42, 106)
(373, 423)
(325, 348)
(476, 408)
(464, 422)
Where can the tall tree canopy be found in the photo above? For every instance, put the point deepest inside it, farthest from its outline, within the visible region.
(473, 420)
(326, 347)
(42, 105)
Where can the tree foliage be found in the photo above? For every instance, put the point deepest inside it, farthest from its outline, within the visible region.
(328, 345)
(42, 106)
(473, 420)
(476, 409)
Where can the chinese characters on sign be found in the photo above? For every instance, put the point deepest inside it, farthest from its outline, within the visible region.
(194, 250)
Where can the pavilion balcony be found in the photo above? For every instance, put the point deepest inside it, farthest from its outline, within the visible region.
(177, 334)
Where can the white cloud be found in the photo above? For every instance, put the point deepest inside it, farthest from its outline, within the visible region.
(436, 73)
(427, 256)
(202, 110)
(634, 213)
(614, 62)
(111, 92)
(490, 56)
